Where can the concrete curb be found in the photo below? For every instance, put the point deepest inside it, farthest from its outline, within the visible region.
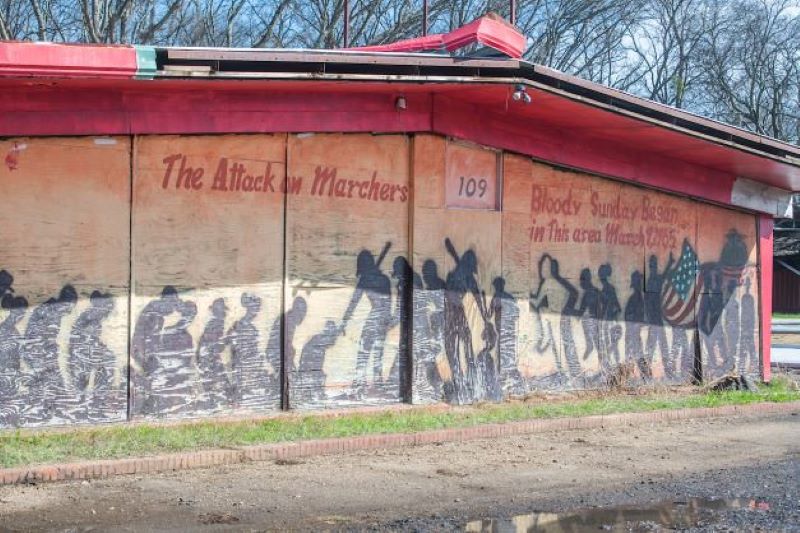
(306, 448)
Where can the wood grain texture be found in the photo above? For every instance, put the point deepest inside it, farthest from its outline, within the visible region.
(347, 249)
(64, 280)
(208, 272)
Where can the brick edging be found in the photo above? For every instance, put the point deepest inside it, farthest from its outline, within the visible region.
(205, 458)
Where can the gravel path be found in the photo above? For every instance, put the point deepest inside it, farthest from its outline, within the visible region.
(443, 487)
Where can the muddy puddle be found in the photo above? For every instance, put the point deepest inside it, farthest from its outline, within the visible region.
(658, 517)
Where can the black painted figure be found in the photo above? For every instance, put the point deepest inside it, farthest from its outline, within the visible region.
(731, 322)
(6, 282)
(308, 383)
(540, 302)
(91, 361)
(46, 387)
(717, 351)
(634, 322)
(747, 350)
(589, 311)
(251, 383)
(428, 326)
(504, 310)
(656, 332)
(216, 389)
(407, 281)
(610, 308)
(162, 356)
(294, 317)
(376, 286)
(460, 282)
(11, 341)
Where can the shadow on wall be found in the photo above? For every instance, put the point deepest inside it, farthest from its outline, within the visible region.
(709, 307)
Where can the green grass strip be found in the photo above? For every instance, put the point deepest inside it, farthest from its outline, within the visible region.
(27, 448)
(786, 315)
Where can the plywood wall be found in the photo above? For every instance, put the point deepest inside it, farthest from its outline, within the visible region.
(591, 282)
(64, 280)
(457, 251)
(609, 278)
(347, 269)
(207, 274)
(333, 270)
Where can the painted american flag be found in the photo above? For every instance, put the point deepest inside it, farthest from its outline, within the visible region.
(679, 294)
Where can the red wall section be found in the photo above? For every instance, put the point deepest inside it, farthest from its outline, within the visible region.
(765, 226)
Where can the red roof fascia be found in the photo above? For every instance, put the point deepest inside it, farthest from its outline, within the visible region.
(74, 61)
(488, 31)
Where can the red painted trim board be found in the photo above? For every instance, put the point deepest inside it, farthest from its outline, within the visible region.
(765, 242)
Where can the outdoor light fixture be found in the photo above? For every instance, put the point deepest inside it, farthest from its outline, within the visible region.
(521, 94)
(400, 103)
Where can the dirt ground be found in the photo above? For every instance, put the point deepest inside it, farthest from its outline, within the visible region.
(442, 487)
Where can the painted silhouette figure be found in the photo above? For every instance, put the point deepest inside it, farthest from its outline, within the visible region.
(552, 288)
(656, 334)
(458, 337)
(376, 286)
(293, 318)
(11, 341)
(248, 364)
(610, 308)
(216, 389)
(731, 321)
(6, 282)
(308, 385)
(428, 326)
(589, 311)
(747, 350)
(162, 356)
(91, 360)
(407, 282)
(504, 310)
(716, 340)
(46, 387)
(634, 322)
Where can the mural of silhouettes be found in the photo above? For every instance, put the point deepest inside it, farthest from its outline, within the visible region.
(376, 286)
(428, 323)
(214, 381)
(46, 387)
(92, 364)
(748, 357)
(162, 355)
(589, 311)
(634, 322)
(251, 380)
(654, 314)
(407, 281)
(277, 338)
(460, 282)
(504, 310)
(610, 331)
(11, 342)
(547, 290)
(553, 288)
(308, 382)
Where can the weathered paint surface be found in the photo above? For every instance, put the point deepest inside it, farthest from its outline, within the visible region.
(599, 282)
(347, 273)
(64, 280)
(329, 270)
(207, 274)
